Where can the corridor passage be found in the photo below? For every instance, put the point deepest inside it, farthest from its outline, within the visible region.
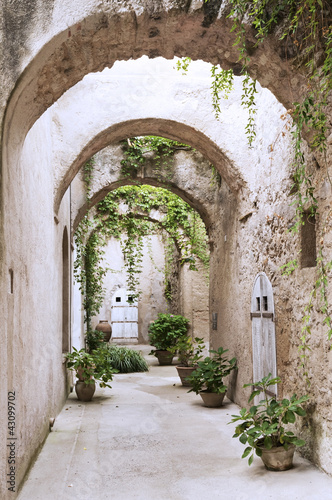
(148, 439)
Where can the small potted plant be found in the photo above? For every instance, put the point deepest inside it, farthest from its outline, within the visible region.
(208, 378)
(189, 353)
(262, 427)
(164, 333)
(89, 367)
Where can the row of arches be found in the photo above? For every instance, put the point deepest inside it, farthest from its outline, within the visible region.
(56, 115)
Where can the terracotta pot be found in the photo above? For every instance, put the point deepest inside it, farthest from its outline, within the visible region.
(277, 458)
(164, 357)
(85, 391)
(105, 327)
(212, 399)
(184, 372)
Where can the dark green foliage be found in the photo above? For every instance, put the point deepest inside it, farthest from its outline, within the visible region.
(264, 424)
(94, 338)
(166, 330)
(211, 371)
(136, 147)
(125, 360)
(91, 366)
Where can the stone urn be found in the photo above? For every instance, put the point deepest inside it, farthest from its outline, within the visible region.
(104, 327)
(85, 391)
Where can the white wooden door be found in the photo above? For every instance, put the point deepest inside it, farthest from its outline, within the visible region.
(124, 316)
(263, 331)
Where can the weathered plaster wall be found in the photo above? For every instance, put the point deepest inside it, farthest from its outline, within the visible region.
(194, 300)
(151, 300)
(48, 46)
(33, 326)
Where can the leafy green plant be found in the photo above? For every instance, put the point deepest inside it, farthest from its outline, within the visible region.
(166, 330)
(263, 425)
(125, 360)
(189, 350)
(210, 372)
(94, 339)
(90, 366)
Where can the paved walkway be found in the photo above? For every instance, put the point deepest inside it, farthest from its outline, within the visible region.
(148, 439)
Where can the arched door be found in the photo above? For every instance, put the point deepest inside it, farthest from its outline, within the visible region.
(124, 317)
(263, 331)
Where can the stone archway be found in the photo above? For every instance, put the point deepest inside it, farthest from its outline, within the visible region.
(46, 53)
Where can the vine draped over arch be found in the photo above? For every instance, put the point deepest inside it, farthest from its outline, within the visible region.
(124, 214)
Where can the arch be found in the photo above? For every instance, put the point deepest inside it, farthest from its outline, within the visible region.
(193, 183)
(163, 128)
(108, 107)
(93, 37)
(65, 292)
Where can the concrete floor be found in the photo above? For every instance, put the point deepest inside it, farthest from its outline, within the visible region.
(148, 439)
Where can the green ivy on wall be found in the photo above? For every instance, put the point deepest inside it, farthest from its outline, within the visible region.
(181, 222)
(304, 26)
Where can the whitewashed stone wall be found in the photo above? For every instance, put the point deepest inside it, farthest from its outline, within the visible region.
(49, 46)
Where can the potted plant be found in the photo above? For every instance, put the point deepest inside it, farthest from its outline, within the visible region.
(208, 378)
(89, 367)
(189, 353)
(164, 333)
(262, 427)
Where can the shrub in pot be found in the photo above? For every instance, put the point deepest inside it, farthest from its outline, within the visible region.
(89, 367)
(189, 353)
(263, 430)
(208, 378)
(164, 333)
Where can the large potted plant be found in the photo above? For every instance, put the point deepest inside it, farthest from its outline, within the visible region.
(89, 367)
(263, 430)
(208, 378)
(164, 333)
(189, 353)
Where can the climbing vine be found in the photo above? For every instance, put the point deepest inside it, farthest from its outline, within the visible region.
(305, 31)
(182, 223)
(135, 152)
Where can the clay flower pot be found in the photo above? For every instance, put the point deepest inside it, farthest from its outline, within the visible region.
(184, 372)
(277, 458)
(212, 399)
(104, 327)
(85, 391)
(164, 357)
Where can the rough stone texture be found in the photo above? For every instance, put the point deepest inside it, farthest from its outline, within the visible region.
(49, 46)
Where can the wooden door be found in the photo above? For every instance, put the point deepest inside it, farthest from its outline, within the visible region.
(124, 316)
(263, 331)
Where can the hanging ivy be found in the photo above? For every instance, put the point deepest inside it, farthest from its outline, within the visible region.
(135, 152)
(182, 223)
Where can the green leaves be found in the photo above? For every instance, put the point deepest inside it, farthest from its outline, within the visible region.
(165, 332)
(183, 225)
(263, 424)
(211, 371)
